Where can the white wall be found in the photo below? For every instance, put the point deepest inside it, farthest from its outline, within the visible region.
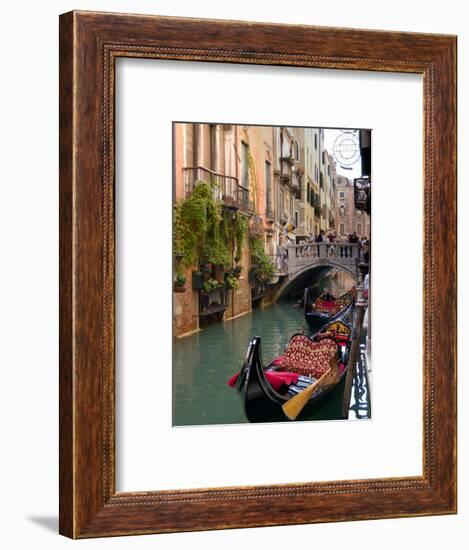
(29, 271)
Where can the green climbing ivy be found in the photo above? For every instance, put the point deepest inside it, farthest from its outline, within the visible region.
(202, 228)
(261, 263)
(240, 229)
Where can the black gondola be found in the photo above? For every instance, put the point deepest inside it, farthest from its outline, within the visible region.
(320, 312)
(263, 403)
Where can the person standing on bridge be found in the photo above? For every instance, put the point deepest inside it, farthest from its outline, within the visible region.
(331, 248)
(341, 241)
(365, 249)
(320, 239)
(282, 253)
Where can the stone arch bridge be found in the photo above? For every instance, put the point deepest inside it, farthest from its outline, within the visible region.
(300, 259)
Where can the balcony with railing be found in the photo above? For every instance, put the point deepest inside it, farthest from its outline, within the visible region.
(225, 188)
(286, 167)
(295, 182)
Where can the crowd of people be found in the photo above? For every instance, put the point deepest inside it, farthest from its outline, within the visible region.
(288, 237)
(332, 237)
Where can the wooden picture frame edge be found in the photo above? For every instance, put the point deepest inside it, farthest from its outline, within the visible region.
(89, 44)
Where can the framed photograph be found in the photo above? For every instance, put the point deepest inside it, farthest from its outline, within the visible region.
(257, 299)
(270, 237)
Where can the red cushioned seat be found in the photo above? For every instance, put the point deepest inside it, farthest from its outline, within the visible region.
(307, 357)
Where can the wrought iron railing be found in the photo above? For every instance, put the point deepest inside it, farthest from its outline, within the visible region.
(225, 188)
(286, 167)
(213, 302)
(294, 182)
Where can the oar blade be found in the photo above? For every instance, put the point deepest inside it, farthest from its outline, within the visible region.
(296, 404)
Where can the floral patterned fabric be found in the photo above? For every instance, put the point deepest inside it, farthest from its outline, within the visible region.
(333, 306)
(326, 306)
(339, 328)
(307, 357)
(337, 331)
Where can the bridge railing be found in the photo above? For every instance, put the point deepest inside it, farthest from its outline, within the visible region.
(300, 255)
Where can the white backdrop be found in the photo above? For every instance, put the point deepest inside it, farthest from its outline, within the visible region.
(150, 453)
(29, 274)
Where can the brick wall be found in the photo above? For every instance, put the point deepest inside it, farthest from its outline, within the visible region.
(185, 308)
(240, 299)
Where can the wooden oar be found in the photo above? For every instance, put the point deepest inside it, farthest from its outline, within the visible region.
(296, 404)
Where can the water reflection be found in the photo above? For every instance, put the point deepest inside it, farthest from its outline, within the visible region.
(203, 363)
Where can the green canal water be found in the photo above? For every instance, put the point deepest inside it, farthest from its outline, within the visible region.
(203, 363)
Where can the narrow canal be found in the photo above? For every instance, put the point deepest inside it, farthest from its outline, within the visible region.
(203, 362)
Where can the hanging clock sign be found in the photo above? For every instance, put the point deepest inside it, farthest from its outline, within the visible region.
(346, 149)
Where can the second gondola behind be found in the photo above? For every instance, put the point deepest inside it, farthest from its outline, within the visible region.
(326, 309)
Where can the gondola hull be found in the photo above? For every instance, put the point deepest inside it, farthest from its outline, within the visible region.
(316, 320)
(264, 404)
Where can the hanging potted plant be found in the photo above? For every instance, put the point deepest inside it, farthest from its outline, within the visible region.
(180, 284)
(210, 285)
(231, 282)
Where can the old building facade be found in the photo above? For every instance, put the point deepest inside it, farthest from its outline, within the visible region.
(281, 180)
(239, 161)
(349, 220)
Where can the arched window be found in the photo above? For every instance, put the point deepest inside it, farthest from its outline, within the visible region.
(341, 210)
